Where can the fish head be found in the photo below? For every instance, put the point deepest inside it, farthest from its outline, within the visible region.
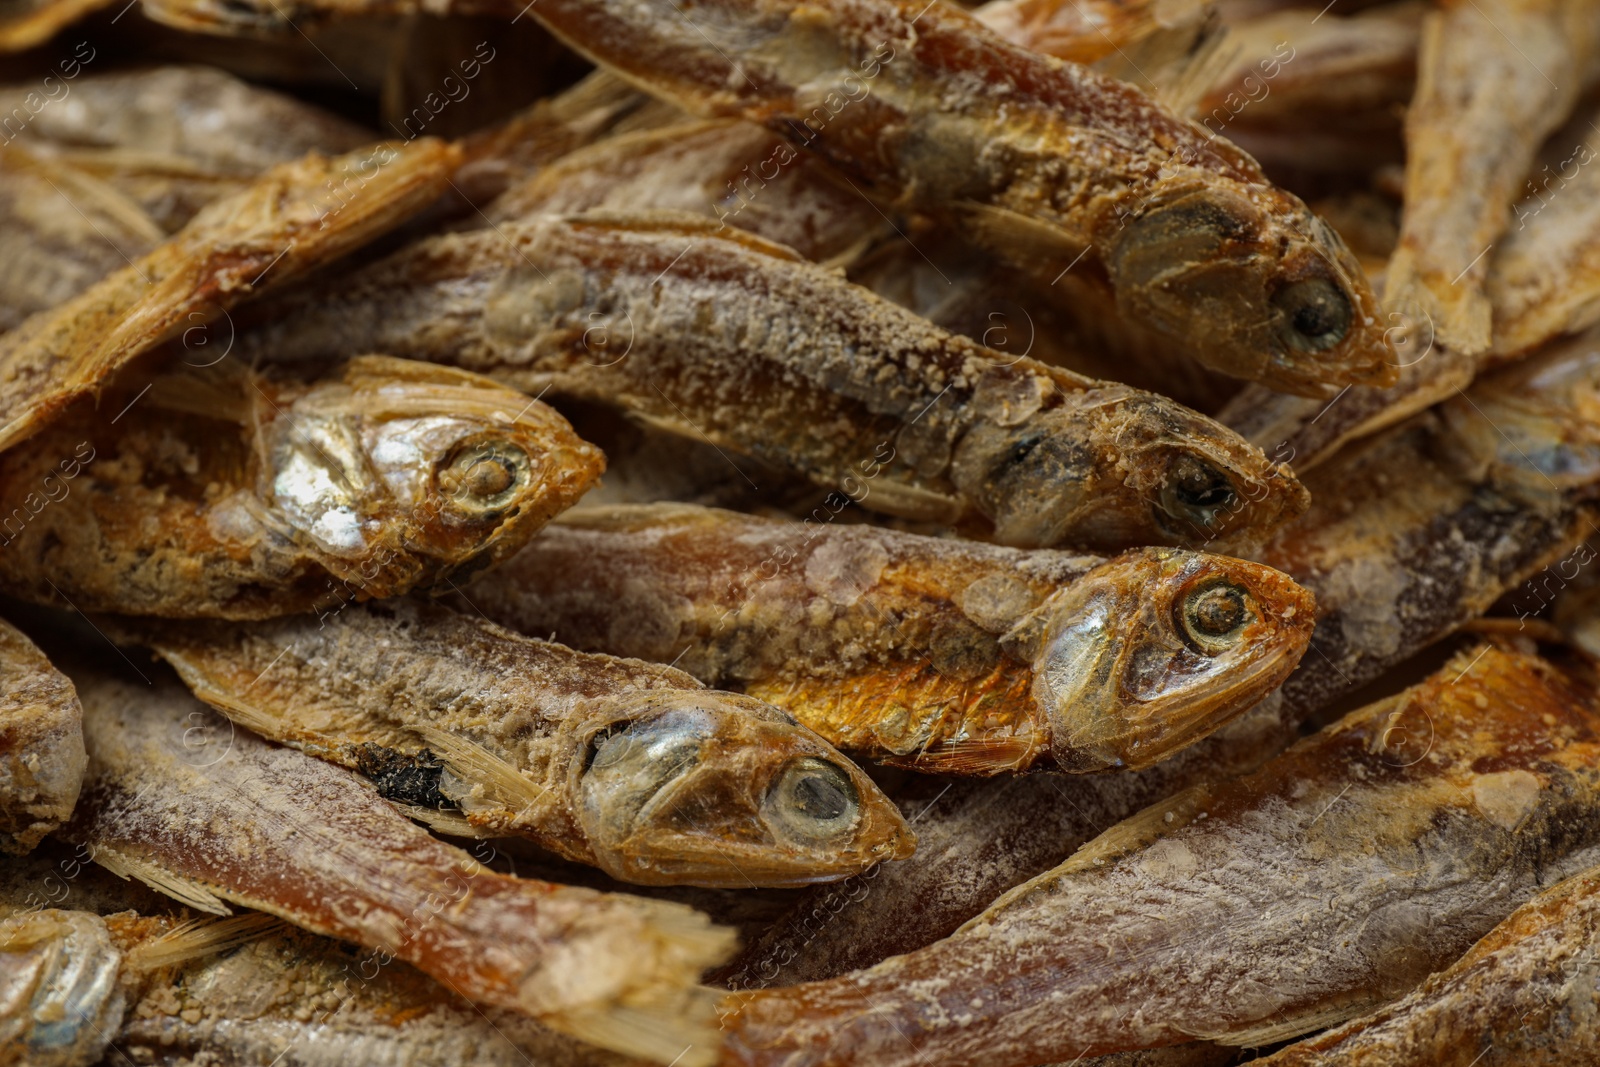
(395, 470)
(1254, 284)
(1115, 467)
(58, 982)
(705, 788)
(1155, 649)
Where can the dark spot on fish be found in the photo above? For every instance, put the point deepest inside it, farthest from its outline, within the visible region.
(404, 779)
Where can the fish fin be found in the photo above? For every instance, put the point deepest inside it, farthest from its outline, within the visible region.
(967, 758)
(1027, 241)
(1272, 1033)
(194, 893)
(1183, 62)
(687, 224)
(201, 937)
(911, 502)
(665, 1034)
(474, 763)
(247, 715)
(206, 392)
(452, 823)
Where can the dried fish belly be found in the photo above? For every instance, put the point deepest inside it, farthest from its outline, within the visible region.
(221, 492)
(1328, 882)
(628, 766)
(1054, 164)
(1525, 995)
(41, 744)
(654, 313)
(298, 216)
(943, 655)
(207, 812)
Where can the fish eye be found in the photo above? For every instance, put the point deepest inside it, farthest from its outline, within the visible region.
(1195, 490)
(1212, 616)
(813, 801)
(485, 476)
(1316, 314)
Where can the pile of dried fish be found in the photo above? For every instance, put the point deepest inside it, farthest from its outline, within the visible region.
(754, 533)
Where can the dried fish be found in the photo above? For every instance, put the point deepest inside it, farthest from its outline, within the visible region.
(60, 1001)
(207, 812)
(628, 766)
(1084, 31)
(222, 492)
(173, 138)
(975, 840)
(1525, 995)
(1328, 882)
(943, 655)
(41, 744)
(654, 313)
(297, 216)
(61, 231)
(1052, 163)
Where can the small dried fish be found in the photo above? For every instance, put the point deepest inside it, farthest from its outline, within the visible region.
(41, 744)
(297, 216)
(943, 655)
(61, 231)
(628, 766)
(1328, 882)
(654, 313)
(173, 138)
(224, 493)
(207, 812)
(1526, 995)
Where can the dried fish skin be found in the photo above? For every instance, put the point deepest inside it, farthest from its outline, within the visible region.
(1524, 995)
(61, 230)
(42, 756)
(222, 815)
(624, 765)
(60, 1000)
(1051, 161)
(653, 313)
(297, 216)
(225, 493)
(1376, 851)
(942, 655)
(1085, 32)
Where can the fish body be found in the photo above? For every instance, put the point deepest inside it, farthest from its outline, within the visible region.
(1330, 881)
(943, 655)
(60, 998)
(296, 216)
(222, 492)
(207, 812)
(1527, 994)
(628, 766)
(41, 743)
(657, 314)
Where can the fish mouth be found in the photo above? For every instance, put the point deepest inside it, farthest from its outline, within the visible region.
(710, 789)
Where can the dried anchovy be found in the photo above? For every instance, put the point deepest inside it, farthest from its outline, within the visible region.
(221, 492)
(943, 655)
(1526, 995)
(654, 313)
(1328, 882)
(297, 216)
(629, 766)
(41, 744)
(206, 813)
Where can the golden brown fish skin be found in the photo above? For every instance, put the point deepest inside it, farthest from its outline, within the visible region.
(1524, 995)
(931, 109)
(26, 23)
(41, 744)
(943, 655)
(1083, 31)
(1422, 528)
(1377, 851)
(373, 684)
(654, 313)
(224, 493)
(61, 230)
(208, 812)
(1494, 79)
(297, 216)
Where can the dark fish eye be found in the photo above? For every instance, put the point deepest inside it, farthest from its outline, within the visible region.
(1211, 617)
(1023, 448)
(1316, 314)
(1195, 490)
(485, 476)
(813, 800)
